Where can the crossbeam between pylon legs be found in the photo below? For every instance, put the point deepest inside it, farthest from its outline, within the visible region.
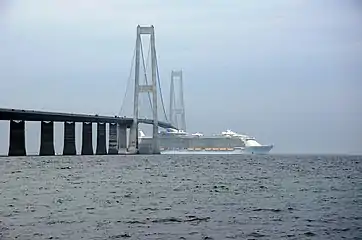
(151, 88)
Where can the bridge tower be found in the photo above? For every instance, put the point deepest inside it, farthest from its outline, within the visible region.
(177, 107)
(146, 88)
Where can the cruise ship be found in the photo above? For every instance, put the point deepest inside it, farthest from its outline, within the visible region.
(251, 145)
(174, 141)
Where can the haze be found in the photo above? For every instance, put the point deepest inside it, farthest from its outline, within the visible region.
(287, 72)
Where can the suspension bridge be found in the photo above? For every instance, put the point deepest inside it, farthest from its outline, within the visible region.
(144, 84)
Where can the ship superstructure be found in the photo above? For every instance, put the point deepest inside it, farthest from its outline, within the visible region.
(251, 145)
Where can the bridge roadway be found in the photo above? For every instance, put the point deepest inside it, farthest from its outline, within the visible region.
(30, 115)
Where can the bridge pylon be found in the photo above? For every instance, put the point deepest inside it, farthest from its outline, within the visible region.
(177, 106)
(144, 88)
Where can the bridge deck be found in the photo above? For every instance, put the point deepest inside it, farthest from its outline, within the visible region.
(30, 115)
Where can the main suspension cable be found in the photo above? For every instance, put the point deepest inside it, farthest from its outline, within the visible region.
(128, 81)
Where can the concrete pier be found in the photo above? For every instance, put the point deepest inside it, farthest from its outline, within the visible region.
(112, 148)
(47, 139)
(17, 138)
(69, 139)
(87, 145)
(122, 138)
(101, 139)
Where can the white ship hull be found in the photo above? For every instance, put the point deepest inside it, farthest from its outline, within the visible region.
(263, 149)
(202, 152)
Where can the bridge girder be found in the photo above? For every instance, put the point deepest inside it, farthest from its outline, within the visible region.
(31, 115)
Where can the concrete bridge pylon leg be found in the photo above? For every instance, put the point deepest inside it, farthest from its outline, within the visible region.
(69, 139)
(122, 138)
(112, 146)
(17, 138)
(47, 139)
(87, 145)
(101, 139)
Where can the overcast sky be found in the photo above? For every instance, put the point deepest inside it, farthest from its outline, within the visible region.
(287, 72)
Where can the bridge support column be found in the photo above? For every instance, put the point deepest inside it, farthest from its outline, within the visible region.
(17, 138)
(101, 139)
(87, 145)
(47, 139)
(112, 148)
(133, 139)
(122, 138)
(69, 139)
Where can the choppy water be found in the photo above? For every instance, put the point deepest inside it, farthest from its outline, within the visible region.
(181, 197)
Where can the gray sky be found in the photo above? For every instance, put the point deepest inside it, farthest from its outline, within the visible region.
(287, 72)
